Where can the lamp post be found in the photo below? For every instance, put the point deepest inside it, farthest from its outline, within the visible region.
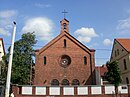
(7, 89)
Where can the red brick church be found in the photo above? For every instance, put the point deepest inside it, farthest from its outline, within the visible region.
(64, 61)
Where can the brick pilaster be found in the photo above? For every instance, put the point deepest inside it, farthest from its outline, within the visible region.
(89, 90)
(33, 90)
(75, 90)
(61, 91)
(128, 90)
(103, 89)
(47, 90)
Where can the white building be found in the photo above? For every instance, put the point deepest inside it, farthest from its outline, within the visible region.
(2, 52)
(121, 53)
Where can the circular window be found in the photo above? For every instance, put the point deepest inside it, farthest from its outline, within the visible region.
(65, 61)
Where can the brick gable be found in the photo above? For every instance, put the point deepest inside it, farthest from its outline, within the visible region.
(54, 51)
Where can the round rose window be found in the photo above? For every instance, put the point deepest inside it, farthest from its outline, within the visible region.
(65, 61)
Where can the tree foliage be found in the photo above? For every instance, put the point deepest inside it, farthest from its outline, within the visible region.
(113, 75)
(22, 59)
(3, 66)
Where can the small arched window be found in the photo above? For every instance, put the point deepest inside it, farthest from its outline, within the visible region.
(118, 52)
(65, 82)
(75, 82)
(115, 53)
(64, 42)
(64, 25)
(127, 80)
(85, 60)
(44, 60)
(55, 82)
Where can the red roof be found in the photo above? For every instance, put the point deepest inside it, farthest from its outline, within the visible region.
(101, 69)
(125, 43)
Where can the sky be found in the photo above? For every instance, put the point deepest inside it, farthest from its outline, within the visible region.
(95, 23)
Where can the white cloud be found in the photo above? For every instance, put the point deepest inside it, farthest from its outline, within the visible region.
(93, 45)
(7, 13)
(84, 39)
(41, 26)
(42, 5)
(4, 32)
(107, 42)
(6, 19)
(85, 34)
(124, 24)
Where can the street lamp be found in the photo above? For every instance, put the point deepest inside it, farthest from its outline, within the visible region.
(7, 89)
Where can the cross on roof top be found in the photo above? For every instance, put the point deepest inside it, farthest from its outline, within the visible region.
(64, 12)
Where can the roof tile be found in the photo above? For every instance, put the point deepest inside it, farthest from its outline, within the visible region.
(125, 42)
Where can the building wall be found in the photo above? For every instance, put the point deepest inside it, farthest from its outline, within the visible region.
(125, 70)
(1, 50)
(120, 57)
(98, 77)
(44, 74)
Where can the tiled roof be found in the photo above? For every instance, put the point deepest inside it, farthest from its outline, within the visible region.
(101, 69)
(125, 43)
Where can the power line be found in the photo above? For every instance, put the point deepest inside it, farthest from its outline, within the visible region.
(101, 58)
(100, 49)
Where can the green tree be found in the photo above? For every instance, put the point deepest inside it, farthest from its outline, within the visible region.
(113, 75)
(3, 71)
(22, 59)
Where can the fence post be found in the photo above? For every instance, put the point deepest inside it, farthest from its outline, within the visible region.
(33, 90)
(75, 90)
(61, 90)
(103, 90)
(89, 90)
(47, 90)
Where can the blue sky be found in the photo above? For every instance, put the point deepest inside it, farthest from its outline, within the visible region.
(93, 22)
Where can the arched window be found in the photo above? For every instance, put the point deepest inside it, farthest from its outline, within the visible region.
(115, 53)
(118, 52)
(85, 60)
(125, 67)
(64, 25)
(65, 82)
(64, 42)
(55, 82)
(44, 60)
(75, 82)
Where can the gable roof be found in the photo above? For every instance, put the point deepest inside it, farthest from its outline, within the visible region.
(3, 45)
(64, 19)
(125, 43)
(101, 69)
(70, 37)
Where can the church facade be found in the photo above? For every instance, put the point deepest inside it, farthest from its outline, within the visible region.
(64, 61)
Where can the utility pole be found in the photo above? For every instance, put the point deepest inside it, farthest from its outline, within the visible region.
(7, 89)
(31, 70)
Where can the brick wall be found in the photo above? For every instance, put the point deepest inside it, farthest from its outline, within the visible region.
(64, 44)
(45, 73)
